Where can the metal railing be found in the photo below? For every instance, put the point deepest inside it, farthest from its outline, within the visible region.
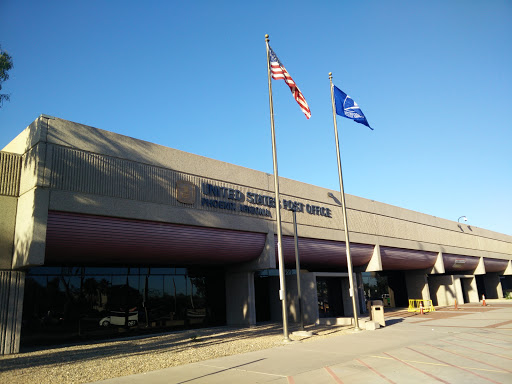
(415, 305)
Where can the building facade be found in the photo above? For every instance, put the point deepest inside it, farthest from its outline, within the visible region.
(101, 233)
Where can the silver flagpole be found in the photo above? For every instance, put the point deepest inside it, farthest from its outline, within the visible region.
(343, 208)
(282, 285)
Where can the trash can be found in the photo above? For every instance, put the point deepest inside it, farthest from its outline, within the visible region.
(377, 315)
(371, 303)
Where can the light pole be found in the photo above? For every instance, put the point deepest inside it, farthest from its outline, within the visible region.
(465, 218)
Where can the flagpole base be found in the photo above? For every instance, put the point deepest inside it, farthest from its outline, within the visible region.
(302, 333)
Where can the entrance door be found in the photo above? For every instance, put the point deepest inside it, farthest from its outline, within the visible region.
(396, 282)
(480, 286)
(465, 284)
(330, 301)
(262, 293)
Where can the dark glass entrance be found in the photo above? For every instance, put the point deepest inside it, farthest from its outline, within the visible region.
(262, 293)
(330, 300)
(480, 285)
(398, 287)
(465, 283)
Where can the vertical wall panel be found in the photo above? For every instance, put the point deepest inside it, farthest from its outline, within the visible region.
(80, 171)
(12, 285)
(10, 170)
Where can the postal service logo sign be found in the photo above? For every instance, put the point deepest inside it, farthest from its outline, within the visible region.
(185, 192)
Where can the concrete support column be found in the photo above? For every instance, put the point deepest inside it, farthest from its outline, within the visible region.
(417, 285)
(12, 284)
(309, 298)
(347, 300)
(493, 288)
(457, 284)
(240, 298)
(442, 289)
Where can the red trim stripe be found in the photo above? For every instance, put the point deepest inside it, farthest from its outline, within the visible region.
(477, 350)
(420, 370)
(333, 375)
(481, 342)
(375, 371)
(470, 358)
(454, 366)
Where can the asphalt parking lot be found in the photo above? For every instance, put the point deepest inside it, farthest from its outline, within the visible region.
(471, 344)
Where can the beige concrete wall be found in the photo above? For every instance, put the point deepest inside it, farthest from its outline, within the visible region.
(30, 232)
(93, 140)
(30, 136)
(32, 205)
(95, 162)
(88, 170)
(120, 179)
(10, 171)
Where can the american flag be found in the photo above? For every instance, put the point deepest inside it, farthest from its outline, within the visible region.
(279, 72)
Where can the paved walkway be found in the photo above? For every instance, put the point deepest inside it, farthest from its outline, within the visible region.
(470, 345)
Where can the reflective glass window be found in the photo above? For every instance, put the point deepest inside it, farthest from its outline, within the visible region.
(69, 301)
(45, 271)
(162, 271)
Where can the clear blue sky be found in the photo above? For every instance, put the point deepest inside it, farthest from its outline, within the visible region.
(433, 78)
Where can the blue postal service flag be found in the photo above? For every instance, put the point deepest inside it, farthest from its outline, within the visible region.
(348, 108)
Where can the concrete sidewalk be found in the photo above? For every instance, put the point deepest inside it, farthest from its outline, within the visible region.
(472, 344)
